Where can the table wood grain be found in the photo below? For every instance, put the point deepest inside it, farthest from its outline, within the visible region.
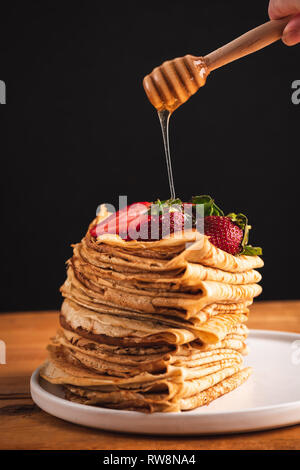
(25, 426)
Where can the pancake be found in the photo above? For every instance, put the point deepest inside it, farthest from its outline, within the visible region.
(93, 356)
(128, 400)
(166, 393)
(117, 265)
(154, 326)
(185, 305)
(134, 328)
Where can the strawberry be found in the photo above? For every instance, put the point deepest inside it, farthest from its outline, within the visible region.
(223, 233)
(152, 221)
(156, 227)
(118, 222)
(175, 219)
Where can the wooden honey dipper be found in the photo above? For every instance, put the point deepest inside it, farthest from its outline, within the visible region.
(171, 84)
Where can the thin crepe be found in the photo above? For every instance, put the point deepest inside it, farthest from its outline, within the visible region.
(211, 331)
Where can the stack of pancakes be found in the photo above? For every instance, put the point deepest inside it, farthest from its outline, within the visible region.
(152, 326)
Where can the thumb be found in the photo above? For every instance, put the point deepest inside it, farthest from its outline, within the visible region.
(291, 33)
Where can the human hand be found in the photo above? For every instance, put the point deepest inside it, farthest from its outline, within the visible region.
(281, 8)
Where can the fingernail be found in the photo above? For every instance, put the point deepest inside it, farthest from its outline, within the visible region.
(291, 38)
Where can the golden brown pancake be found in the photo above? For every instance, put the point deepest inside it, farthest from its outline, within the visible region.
(152, 326)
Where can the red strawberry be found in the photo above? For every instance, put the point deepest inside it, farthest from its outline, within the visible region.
(148, 229)
(223, 233)
(156, 227)
(118, 222)
(176, 220)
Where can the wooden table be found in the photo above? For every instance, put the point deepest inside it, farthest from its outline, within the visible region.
(25, 426)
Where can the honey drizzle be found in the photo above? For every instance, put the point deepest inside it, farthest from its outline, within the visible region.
(164, 119)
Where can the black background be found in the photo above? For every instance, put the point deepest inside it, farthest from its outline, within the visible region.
(78, 130)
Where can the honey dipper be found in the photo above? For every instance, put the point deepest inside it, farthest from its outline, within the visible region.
(171, 84)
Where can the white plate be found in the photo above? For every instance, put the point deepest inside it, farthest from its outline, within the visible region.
(269, 399)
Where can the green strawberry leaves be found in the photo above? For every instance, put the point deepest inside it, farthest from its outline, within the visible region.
(242, 221)
(160, 207)
(251, 250)
(210, 208)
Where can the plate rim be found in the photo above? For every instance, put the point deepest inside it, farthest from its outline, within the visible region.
(36, 387)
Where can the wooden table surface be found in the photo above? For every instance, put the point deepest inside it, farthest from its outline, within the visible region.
(25, 426)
